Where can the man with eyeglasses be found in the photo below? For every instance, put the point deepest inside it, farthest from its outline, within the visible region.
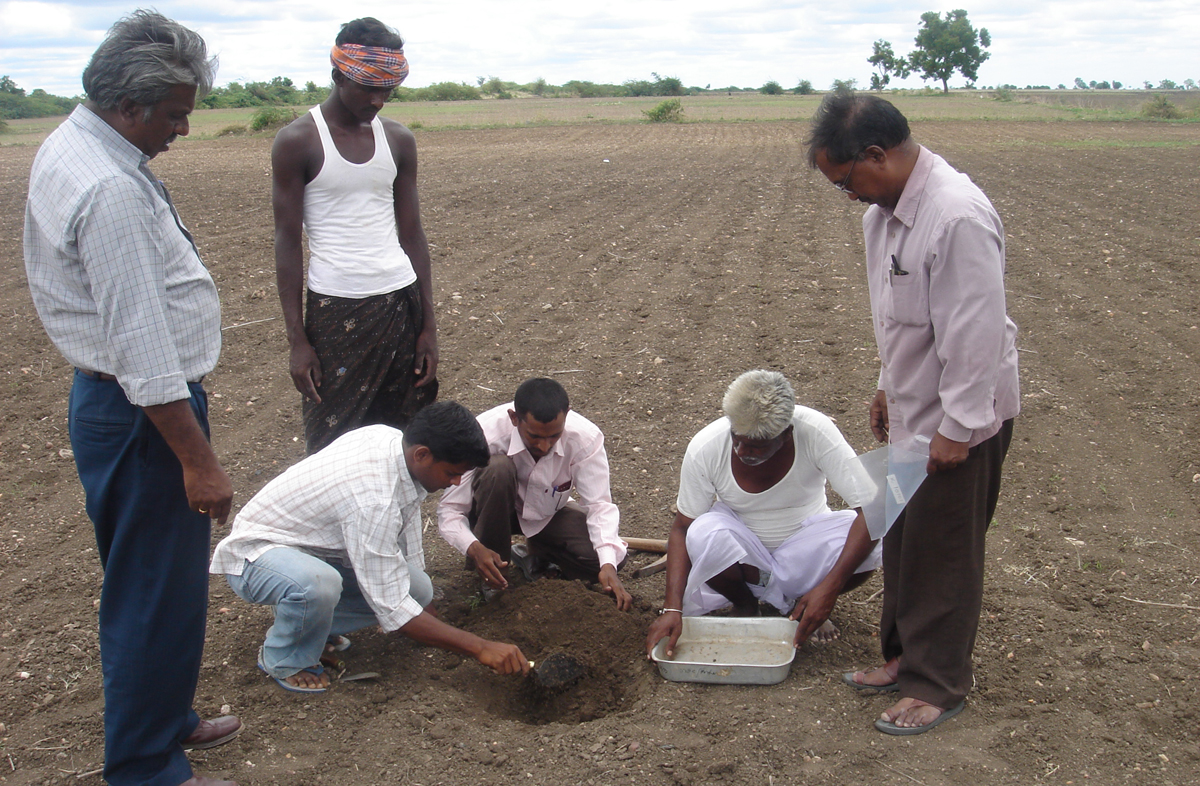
(935, 268)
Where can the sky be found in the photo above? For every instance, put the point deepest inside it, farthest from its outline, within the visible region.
(702, 42)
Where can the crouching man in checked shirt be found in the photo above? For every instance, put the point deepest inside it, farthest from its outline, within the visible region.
(334, 545)
(122, 293)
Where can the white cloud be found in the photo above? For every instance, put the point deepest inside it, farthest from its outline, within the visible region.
(46, 44)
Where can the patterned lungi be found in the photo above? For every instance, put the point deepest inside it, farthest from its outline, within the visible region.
(367, 348)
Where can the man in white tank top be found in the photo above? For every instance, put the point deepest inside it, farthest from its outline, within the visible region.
(769, 535)
(364, 350)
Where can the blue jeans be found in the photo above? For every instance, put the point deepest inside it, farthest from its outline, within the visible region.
(154, 551)
(313, 600)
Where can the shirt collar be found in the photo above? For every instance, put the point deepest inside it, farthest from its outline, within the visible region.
(517, 445)
(914, 187)
(121, 149)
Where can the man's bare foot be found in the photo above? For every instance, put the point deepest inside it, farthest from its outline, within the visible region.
(913, 716)
(308, 680)
(826, 633)
(882, 677)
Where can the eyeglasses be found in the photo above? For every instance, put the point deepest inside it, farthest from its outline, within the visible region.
(844, 186)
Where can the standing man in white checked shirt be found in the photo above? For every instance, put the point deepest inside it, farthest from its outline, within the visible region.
(121, 291)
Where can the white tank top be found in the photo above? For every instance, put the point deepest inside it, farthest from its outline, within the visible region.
(350, 220)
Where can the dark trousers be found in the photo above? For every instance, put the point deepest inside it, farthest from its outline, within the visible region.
(154, 551)
(493, 519)
(933, 562)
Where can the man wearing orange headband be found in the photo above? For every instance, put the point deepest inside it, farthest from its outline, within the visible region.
(364, 350)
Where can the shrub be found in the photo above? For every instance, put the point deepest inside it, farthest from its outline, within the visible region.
(669, 111)
(442, 91)
(805, 88)
(233, 130)
(271, 117)
(1003, 94)
(771, 88)
(1162, 108)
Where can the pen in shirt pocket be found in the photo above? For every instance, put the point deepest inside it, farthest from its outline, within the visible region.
(896, 269)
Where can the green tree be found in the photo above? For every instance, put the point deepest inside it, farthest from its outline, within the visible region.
(1080, 84)
(844, 85)
(950, 44)
(667, 85)
(887, 64)
(771, 88)
(8, 86)
(1168, 84)
(804, 88)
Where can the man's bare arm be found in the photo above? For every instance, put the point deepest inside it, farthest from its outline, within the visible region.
(499, 657)
(208, 488)
(815, 606)
(415, 245)
(679, 564)
(290, 156)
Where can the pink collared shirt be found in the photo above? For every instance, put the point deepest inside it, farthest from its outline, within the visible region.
(578, 461)
(935, 266)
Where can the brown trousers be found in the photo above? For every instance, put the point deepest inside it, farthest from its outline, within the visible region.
(493, 519)
(933, 564)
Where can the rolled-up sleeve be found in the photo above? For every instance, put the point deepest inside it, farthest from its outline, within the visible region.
(380, 566)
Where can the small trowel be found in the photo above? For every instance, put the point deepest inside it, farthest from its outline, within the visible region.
(556, 671)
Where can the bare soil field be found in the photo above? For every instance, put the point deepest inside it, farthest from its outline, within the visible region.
(645, 267)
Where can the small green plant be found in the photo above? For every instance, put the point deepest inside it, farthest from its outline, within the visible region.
(804, 88)
(234, 130)
(272, 117)
(1161, 107)
(669, 111)
(771, 88)
(1003, 94)
(415, 125)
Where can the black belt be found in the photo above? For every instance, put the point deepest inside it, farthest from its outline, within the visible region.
(100, 375)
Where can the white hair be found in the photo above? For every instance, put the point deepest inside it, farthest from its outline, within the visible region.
(760, 404)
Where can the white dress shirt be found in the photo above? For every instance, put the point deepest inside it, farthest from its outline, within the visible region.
(354, 502)
(578, 461)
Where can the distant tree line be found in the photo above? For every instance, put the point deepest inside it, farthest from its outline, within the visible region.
(15, 104)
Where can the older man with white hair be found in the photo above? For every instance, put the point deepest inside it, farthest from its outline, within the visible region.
(120, 288)
(753, 522)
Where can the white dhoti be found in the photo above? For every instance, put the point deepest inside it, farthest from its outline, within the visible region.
(718, 539)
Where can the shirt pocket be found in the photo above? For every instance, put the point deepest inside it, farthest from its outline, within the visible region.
(543, 502)
(908, 300)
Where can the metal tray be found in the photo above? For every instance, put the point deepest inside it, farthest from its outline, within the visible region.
(729, 651)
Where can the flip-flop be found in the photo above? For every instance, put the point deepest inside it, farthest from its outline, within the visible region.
(887, 727)
(317, 670)
(848, 678)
